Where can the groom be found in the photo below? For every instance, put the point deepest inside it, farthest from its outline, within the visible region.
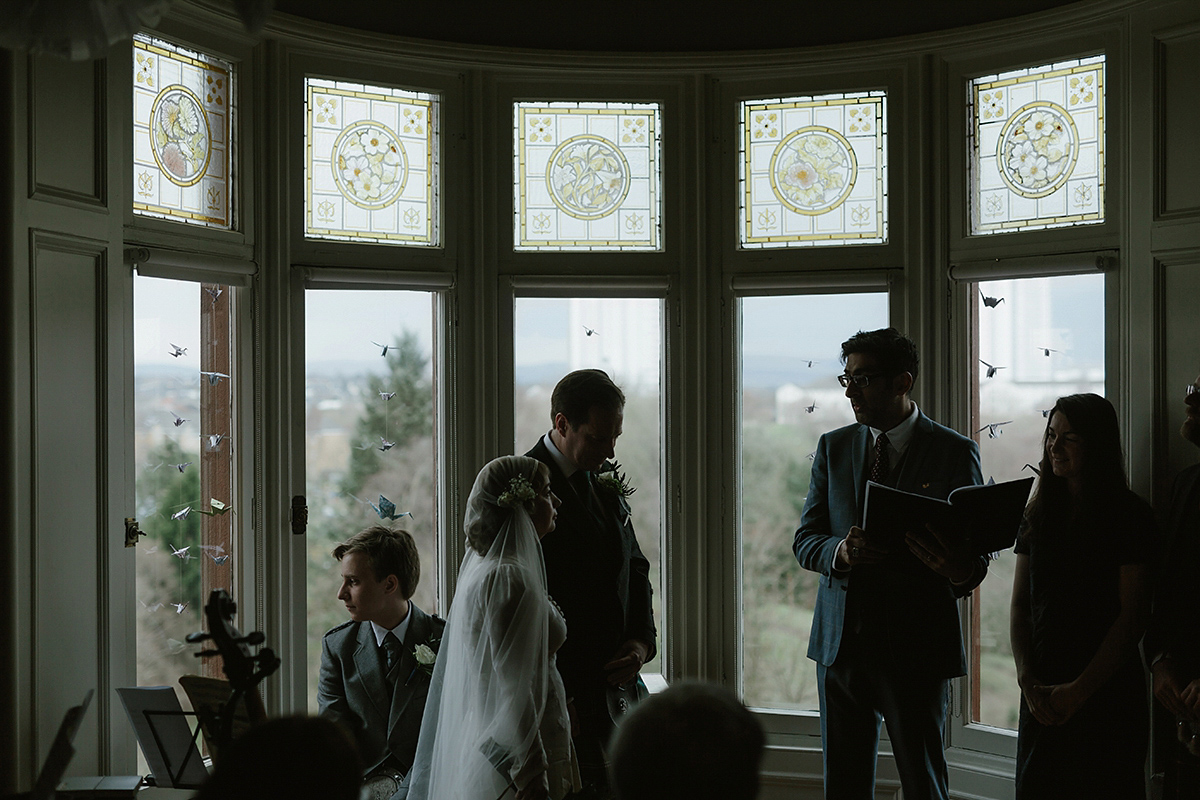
(595, 570)
(375, 668)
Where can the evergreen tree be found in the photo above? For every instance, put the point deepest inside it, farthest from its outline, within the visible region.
(406, 416)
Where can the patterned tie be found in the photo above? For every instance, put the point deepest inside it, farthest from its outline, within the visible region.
(391, 651)
(879, 470)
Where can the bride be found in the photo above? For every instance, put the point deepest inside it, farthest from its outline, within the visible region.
(496, 720)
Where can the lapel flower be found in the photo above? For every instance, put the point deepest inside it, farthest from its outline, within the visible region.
(611, 478)
(426, 657)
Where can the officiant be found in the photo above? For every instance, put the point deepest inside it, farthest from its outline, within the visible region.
(595, 569)
(885, 632)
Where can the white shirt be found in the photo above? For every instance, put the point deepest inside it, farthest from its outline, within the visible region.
(898, 437)
(565, 464)
(398, 631)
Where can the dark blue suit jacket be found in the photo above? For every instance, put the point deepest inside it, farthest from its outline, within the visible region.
(905, 612)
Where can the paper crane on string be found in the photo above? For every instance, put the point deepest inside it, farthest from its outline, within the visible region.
(214, 378)
(386, 508)
(183, 466)
(991, 369)
(1046, 351)
(216, 509)
(177, 351)
(178, 419)
(213, 293)
(383, 347)
(214, 441)
(182, 514)
(990, 302)
(589, 331)
(811, 408)
(386, 444)
(182, 552)
(993, 429)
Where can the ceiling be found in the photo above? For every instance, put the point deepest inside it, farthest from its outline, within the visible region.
(659, 25)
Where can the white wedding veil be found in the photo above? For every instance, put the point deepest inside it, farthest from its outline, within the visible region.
(488, 693)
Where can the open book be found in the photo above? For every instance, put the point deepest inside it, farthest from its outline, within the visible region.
(988, 517)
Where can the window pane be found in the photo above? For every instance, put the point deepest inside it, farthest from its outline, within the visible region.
(1036, 147)
(371, 164)
(813, 170)
(790, 360)
(1045, 339)
(623, 337)
(370, 438)
(183, 447)
(183, 107)
(587, 176)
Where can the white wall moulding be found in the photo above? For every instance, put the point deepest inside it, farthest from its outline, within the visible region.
(1177, 171)
(67, 130)
(994, 269)
(180, 265)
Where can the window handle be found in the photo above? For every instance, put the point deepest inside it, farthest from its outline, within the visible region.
(299, 515)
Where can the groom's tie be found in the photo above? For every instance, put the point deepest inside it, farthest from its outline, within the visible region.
(581, 483)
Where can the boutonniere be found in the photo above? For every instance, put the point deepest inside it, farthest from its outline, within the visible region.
(426, 657)
(611, 478)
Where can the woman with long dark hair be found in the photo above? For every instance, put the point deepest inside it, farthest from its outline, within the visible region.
(1079, 608)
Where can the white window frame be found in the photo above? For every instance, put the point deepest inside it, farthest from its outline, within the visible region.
(793, 730)
(672, 551)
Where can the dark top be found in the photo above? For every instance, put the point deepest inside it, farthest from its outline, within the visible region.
(1074, 583)
(1175, 624)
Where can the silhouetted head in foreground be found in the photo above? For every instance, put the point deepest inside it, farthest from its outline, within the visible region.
(694, 741)
(300, 758)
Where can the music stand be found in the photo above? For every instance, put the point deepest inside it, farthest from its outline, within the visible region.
(167, 741)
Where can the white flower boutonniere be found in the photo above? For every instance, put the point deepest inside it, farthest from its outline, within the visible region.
(611, 478)
(426, 657)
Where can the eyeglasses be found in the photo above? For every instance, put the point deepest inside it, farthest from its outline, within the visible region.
(861, 381)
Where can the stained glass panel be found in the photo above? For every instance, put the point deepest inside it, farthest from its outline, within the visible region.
(371, 164)
(813, 171)
(182, 112)
(587, 176)
(1036, 149)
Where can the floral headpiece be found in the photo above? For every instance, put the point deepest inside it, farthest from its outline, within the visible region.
(519, 492)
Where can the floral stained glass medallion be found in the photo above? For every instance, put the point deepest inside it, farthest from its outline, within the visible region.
(371, 164)
(182, 128)
(587, 176)
(813, 171)
(1037, 147)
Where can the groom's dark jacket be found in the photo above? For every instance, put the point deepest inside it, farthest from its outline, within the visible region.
(597, 574)
(353, 688)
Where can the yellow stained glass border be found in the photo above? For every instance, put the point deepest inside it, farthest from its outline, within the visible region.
(651, 113)
(143, 179)
(428, 101)
(877, 235)
(978, 87)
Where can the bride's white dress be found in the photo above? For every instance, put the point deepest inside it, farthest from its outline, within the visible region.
(496, 719)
